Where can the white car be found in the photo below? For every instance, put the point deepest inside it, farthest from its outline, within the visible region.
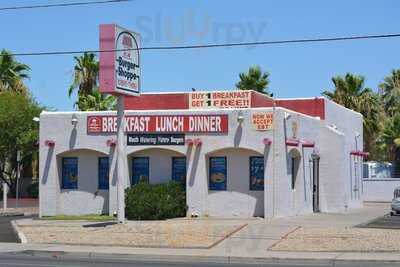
(396, 202)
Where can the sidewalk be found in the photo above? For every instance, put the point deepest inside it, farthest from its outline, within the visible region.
(252, 244)
(193, 255)
(26, 206)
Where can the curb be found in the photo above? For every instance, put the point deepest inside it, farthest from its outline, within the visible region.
(18, 232)
(272, 260)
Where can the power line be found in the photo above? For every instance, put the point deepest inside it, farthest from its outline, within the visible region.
(64, 4)
(293, 41)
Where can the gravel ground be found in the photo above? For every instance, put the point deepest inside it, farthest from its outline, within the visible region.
(340, 240)
(171, 234)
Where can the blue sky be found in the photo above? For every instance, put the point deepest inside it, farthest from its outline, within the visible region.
(297, 70)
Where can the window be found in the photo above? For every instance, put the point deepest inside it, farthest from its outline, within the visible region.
(140, 170)
(103, 172)
(257, 173)
(69, 173)
(217, 173)
(179, 169)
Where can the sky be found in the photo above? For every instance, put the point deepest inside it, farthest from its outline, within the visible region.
(296, 70)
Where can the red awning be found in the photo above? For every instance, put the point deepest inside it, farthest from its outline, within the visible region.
(292, 142)
(359, 153)
(307, 143)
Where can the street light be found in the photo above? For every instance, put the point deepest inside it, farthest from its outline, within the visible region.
(74, 120)
(240, 117)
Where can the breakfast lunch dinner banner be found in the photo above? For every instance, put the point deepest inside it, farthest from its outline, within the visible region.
(160, 124)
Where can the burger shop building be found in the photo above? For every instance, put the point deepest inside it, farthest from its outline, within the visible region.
(239, 154)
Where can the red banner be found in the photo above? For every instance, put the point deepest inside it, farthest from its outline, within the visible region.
(160, 124)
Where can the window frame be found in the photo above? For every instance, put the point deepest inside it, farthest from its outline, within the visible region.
(99, 185)
(133, 173)
(226, 173)
(63, 178)
(251, 188)
(172, 168)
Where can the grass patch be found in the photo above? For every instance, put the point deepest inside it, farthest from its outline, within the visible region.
(89, 217)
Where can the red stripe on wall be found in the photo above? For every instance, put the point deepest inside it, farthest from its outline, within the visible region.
(157, 102)
(313, 107)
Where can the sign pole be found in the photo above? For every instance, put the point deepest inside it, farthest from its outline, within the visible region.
(120, 159)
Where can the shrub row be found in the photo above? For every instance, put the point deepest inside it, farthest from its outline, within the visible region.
(155, 201)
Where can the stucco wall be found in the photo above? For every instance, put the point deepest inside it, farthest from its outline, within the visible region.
(74, 138)
(160, 163)
(238, 200)
(238, 144)
(379, 189)
(350, 124)
(290, 202)
(87, 198)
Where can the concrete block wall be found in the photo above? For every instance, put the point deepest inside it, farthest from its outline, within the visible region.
(379, 190)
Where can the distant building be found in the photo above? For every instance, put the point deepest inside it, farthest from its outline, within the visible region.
(377, 170)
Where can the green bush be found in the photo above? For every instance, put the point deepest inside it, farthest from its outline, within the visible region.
(33, 190)
(155, 201)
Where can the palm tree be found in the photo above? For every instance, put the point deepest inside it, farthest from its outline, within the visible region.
(391, 140)
(96, 101)
(390, 92)
(12, 72)
(86, 74)
(254, 79)
(350, 92)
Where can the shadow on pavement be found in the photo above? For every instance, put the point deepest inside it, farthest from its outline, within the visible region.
(385, 222)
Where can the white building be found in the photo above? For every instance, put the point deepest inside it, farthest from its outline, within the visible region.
(240, 153)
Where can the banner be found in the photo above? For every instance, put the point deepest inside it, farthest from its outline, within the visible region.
(262, 121)
(221, 99)
(155, 140)
(160, 124)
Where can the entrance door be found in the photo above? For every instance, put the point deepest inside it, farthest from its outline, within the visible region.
(315, 162)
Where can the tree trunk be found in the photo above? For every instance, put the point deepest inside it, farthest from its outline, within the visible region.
(396, 163)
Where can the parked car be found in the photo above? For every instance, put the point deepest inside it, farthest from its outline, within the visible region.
(396, 202)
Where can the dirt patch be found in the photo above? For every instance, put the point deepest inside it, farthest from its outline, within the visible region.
(340, 240)
(171, 234)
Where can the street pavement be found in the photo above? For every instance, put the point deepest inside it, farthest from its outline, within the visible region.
(6, 231)
(32, 261)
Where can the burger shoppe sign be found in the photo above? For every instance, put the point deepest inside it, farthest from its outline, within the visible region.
(119, 60)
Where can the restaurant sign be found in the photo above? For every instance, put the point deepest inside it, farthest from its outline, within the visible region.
(156, 139)
(119, 60)
(221, 99)
(160, 124)
(262, 121)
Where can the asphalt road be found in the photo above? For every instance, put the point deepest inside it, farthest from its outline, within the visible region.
(7, 260)
(6, 232)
